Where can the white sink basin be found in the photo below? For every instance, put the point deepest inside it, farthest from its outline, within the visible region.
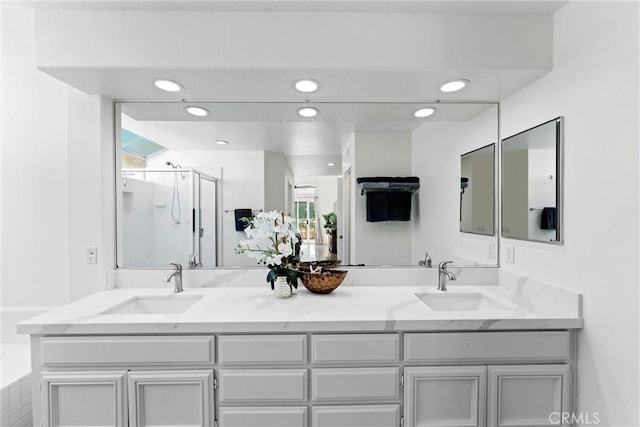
(467, 301)
(170, 304)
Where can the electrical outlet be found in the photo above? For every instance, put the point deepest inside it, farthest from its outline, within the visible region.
(510, 254)
(92, 254)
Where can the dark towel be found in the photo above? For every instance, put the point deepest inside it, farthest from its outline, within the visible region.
(404, 185)
(399, 205)
(548, 219)
(239, 214)
(388, 179)
(377, 206)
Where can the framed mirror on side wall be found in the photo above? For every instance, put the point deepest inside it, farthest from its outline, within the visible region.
(532, 196)
(477, 191)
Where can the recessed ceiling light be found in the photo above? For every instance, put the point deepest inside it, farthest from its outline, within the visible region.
(306, 85)
(197, 111)
(168, 85)
(221, 142)
(424, 112)
(307, 112)
(454, 85)
(331, 164)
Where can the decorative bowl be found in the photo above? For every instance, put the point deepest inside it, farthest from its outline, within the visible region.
(326, 264)
(323, 282)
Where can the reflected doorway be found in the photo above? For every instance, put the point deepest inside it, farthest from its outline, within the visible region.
(308, 213)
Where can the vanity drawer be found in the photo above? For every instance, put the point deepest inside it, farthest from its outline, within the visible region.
(274, 416)
(456, 347)
(355, 384)
(262, 385)
(128, 350)
(355, 348)
(356, 416)
(262, 349)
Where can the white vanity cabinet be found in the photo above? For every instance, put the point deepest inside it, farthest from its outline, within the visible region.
(171, 398)
(509, 378)
(84, 398)
(527, 395)
(124, 380)
(452, 396)
(373, 379)
(155, 398)
(263, 380)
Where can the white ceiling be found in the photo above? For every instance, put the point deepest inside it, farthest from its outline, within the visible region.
(308, 144)
(383, 6)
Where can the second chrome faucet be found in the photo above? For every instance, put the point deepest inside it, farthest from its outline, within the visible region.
(444, 275)
(177, 276)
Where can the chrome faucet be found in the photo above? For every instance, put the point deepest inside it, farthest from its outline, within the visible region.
(177, 276)
(193, 262)
(426, 262)
(443, 275)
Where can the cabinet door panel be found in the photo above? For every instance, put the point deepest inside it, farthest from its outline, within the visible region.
(492, 347)
(279, 416)
(262, 349)
(356, 416)
(527, 395)
(452, 396)
(361, 384)
(255, 386)
(355, 348)
(84, 398)
(171, 398)
(128, 351)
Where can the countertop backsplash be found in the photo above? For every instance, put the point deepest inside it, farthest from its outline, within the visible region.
(248, 277)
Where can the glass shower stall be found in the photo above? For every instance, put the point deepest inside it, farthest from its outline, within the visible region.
(167, 215)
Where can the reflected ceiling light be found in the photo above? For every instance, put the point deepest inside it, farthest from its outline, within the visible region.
(197, 111)
(221, 142)
(424, 112)
(306, 85)
(307, 112)
(331, 164)
(454, 85)
(168, 85)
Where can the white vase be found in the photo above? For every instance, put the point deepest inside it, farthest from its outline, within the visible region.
(281, 288)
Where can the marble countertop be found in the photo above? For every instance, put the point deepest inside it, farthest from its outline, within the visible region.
(348, 308)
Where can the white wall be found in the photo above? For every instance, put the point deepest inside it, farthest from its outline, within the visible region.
(90, 186)
(34, 237)
(594, 85)
(56, 178)
(436, 151)
(388, 242)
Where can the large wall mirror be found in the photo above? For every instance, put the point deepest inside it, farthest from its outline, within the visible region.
(477, 191)
(532, 184)
(183, 180)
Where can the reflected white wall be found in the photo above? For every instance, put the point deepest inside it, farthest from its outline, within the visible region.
(387, 242)
(436, 151)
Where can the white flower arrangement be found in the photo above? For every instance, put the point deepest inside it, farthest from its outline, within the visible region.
(271, 240)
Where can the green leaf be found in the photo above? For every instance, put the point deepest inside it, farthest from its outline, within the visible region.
(292, 278)
(272, 276)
